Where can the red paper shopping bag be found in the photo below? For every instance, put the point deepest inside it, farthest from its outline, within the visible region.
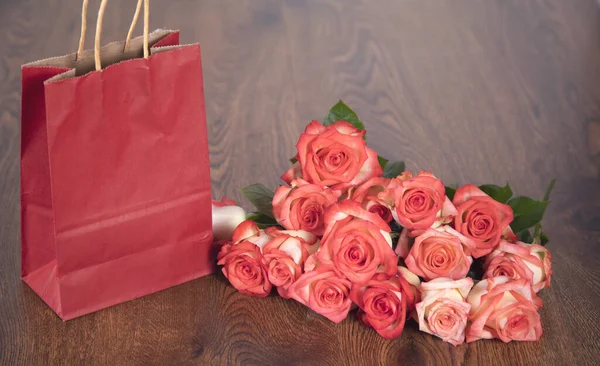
(115, 184)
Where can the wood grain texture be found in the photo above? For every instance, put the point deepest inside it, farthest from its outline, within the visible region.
(477, 91)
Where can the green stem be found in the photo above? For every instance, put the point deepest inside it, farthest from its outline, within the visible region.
(538, 227)
(549, 190)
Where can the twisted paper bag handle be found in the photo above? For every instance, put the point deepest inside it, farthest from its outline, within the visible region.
(99, 29)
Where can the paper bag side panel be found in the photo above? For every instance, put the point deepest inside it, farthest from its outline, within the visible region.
(37, 226)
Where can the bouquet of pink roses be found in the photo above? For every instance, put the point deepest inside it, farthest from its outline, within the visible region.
(352, 230)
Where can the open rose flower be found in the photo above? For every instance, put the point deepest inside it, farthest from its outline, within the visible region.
(335, 156)
(384, 302)
(325, 291)
(357, 242)
(439, 253)
(482, 219)
(443, 310)
(366, 195)
(243, 265)
(532, 262)
(418, 203)
(285, 254)
(505, 309)
(301, 205)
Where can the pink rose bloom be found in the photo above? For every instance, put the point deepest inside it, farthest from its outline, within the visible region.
(443, 310)
(418, 203)
(384, 302)
(357, 242)
(439, 253)
(366, 195)
(274, 255)
(285, 254)
(532, 262)
(482, 219)
(334, 156)
(505, 309)
(244, 268)
(325, 291)
(301, 206)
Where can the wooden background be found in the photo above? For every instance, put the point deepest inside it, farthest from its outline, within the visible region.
(477, 91)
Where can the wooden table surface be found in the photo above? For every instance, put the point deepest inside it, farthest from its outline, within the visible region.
(476, 91)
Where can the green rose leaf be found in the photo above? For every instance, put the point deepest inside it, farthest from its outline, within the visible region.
(341, 112)
(293, 160)
(525, 236)
(261, 197)
(392, 170)
(528, 212)
(500, 194)
(450, 191)
(263, 221)
(382, 161)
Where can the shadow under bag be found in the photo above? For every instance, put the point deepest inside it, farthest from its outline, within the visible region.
(115, 173)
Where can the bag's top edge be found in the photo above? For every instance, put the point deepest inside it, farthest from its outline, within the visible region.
(153, 51)
(45, 63)
(160, 49)
(174, 45)
(70, 74)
